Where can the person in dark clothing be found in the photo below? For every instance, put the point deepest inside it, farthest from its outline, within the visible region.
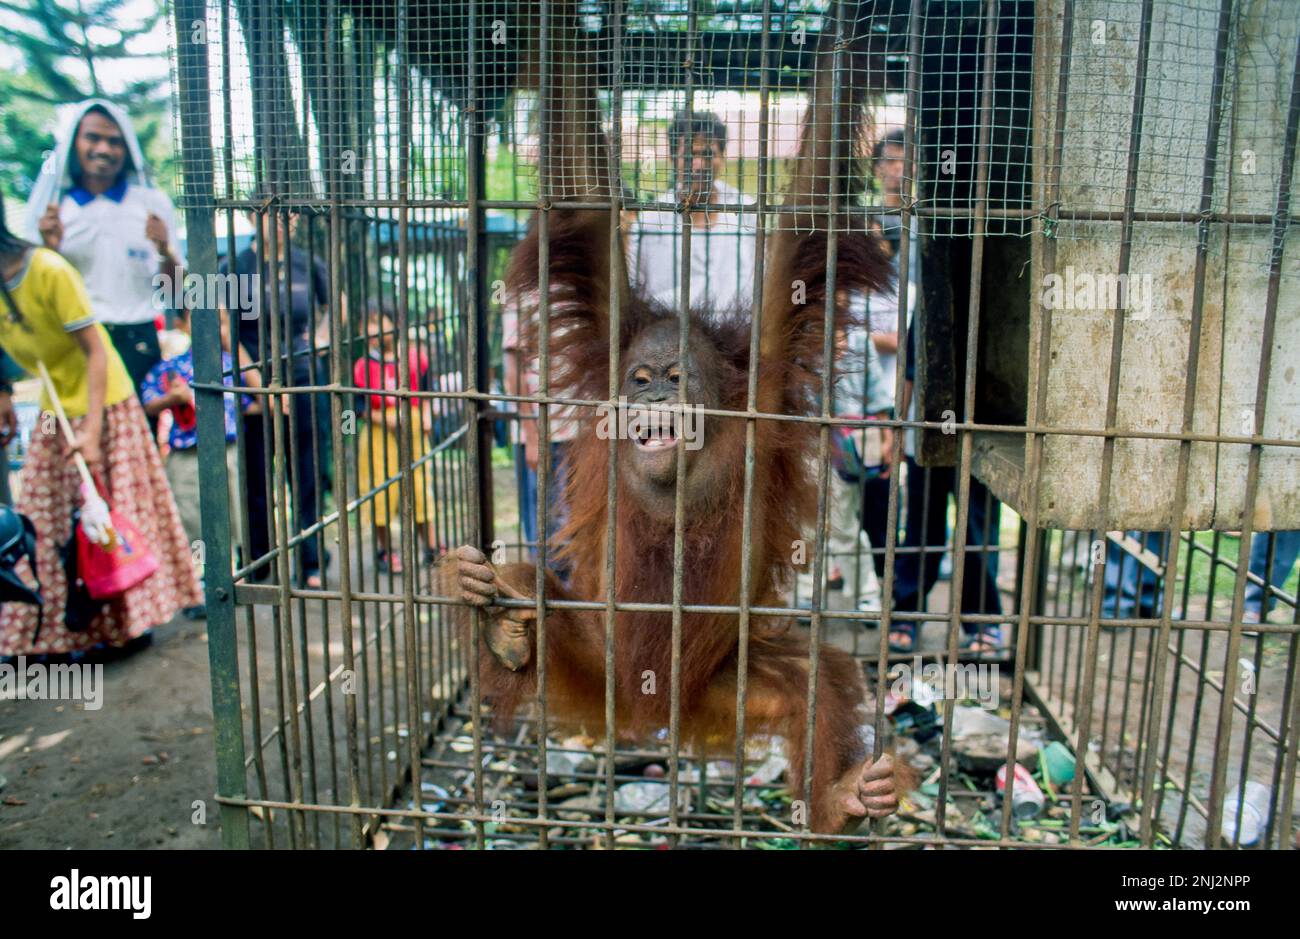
(926, 533)
(302, 282)
(1131, 589)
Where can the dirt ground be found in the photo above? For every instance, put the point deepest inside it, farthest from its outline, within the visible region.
(129, 775)
(123, 776)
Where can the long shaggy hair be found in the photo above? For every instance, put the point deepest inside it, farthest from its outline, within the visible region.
(794, 334)
(786, 489)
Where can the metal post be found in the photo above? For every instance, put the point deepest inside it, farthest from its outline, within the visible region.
(223, 656)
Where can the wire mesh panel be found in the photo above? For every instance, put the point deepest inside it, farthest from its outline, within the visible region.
(1189, 684)
(1171, 137)
(804, 464)
(342, 498)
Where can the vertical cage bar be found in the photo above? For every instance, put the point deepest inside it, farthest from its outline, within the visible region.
(404, 427)
(617, 262)
(1084, 709)
(679, 489)
(545, 189)
(751, 400)
(833, 206)
(988, 64)
(1209, 169)
(475, 370)
(916, 15)
(223, 653)
(1281, 225)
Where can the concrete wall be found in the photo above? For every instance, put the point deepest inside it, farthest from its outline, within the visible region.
(1158, 323)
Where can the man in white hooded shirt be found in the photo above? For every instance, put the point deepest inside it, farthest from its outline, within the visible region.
(94, 204)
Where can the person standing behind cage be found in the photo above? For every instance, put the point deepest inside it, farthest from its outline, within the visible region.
(46, 317)
(858, 458)
(926, 537)
(379, 452)
(522, 378)
(880, 310)
(1260, 600)
(925, 490)
(302, 282)
(1131, 588)
(722, 240)
(94, 204)
(167, 387)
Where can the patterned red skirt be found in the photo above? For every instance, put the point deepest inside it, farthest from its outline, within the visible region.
(137, 487)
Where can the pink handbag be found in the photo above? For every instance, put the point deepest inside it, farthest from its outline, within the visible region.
(111, 570)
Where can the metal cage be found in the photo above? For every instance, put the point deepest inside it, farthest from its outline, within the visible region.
(388, 161)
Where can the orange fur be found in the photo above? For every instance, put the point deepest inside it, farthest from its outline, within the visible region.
(790, 382)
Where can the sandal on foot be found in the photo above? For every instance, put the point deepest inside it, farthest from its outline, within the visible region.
(388, 562)
(987, 639)
(909, 638)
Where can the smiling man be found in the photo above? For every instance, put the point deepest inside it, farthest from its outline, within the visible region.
(94, 204)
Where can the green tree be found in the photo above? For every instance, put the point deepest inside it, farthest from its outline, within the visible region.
(69, 50)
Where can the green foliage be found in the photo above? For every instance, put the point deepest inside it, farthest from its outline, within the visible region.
(69, 50)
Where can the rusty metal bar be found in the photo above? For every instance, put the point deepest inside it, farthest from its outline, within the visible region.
(1280, 228)
(954, 426)
(679, 488)
(474, 370)
(1161, 642)
(751, 429)
(988, 64)
(404, 426)
(1112, 394)
(617, 262)
(906, 211)
(545, 191)
(953, 210)
(817, 598)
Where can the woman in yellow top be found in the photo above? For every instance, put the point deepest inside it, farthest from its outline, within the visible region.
(45, 316)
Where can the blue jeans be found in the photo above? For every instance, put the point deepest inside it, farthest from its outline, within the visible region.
(1129, 585)
(1286, 549)
(556, 511)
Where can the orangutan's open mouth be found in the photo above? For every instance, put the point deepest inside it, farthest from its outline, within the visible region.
(658, 430)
